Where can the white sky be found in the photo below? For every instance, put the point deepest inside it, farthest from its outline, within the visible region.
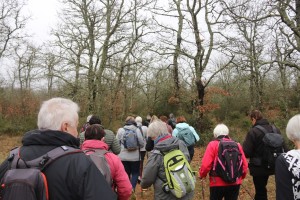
(43, 17)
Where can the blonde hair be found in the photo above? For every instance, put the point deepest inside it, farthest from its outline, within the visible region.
(157, 128)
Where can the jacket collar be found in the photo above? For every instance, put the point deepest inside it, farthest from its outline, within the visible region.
(49, 137)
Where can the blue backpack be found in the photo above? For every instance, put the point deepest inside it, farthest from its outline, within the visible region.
(130, 140)
(187, 136)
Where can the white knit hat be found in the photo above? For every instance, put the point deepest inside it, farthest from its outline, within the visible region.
(221, 129)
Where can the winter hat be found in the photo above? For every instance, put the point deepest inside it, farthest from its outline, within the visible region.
(221, 129)
(94, 132)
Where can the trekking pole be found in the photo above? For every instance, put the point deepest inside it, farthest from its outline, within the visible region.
(202, 184)
(247, 192)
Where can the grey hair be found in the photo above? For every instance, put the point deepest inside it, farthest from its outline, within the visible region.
(221, 129)
(138, 119)
(157, 128)
(55, 111)
(293, 128)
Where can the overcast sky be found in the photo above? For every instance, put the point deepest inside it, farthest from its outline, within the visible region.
(44, 14)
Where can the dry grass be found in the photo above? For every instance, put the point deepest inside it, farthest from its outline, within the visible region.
(246, 191)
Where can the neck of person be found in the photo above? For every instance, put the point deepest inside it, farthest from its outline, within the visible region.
(297, 144)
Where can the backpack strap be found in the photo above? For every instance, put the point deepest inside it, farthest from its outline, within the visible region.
(142, 132)
(265, 130)
(42, 161)
(159, 153)
(98, 151)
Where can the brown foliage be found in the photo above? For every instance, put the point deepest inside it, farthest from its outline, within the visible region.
(210, 93)
(173, 100)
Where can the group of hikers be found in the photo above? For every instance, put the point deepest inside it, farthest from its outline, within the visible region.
(57, 162)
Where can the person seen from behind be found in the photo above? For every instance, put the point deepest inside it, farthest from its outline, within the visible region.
(154, 171)
(86, 124)
(186, 133)
(287, 175)
(220, 189)
(165, 120)
(172, 120)
(150, 142)
(72, 176)
(110, 138)
(94, 140)
(131, 158)
(143, 130)
(253, 147)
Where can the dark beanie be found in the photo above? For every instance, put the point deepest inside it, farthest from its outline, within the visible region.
(94, 132)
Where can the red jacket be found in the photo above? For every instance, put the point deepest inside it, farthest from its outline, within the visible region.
(118, 173)
(210, 154)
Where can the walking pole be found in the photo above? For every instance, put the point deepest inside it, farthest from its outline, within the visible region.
(202, 184)
(247, 192)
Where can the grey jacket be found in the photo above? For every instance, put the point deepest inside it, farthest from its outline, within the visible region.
(126, 155)
(155, 168)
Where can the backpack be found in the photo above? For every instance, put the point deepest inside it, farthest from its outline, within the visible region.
(273, 147)
(130, 140)
(98, 157)
(187, 136)
(180, 177)
(228, 164)
(25, 179)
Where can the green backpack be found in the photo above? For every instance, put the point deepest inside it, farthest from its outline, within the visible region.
(180, 178)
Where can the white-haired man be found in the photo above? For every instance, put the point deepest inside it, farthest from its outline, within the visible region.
(72, 176)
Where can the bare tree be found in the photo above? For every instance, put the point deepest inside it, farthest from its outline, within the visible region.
(289, 12)
(250, 43)
(11, 23)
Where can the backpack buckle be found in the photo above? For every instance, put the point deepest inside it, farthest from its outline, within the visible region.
(11, 157)
(44, 160)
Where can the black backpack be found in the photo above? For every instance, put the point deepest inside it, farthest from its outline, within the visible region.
(24, 180)
(272, 147)
(228, 164)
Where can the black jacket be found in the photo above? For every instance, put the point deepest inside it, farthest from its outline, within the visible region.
(71, 177)
(253, 147)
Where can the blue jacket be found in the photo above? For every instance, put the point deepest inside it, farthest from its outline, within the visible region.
(184, 125)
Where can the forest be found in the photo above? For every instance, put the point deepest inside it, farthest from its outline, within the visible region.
(208, 60)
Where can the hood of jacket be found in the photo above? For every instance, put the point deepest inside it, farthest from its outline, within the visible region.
(182, 125)
(167, 144)
(94, 144)
(130, 126)
(49, 138)
(261, 122)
